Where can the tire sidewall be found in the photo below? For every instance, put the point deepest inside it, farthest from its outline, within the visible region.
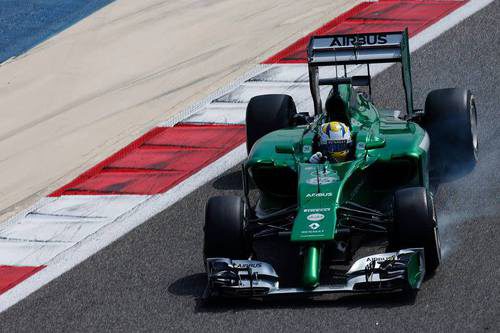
(415, 224)
(224, 229)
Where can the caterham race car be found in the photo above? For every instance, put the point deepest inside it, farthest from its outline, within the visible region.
(326, 213)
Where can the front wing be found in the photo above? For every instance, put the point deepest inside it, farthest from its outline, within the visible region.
(402, 270)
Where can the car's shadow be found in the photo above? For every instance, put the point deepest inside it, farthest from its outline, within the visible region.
(193, 286)
(229, 181)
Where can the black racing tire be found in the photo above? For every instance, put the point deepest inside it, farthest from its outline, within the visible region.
(268, 113)
(450, 119)
(415, 224)
(224, 230)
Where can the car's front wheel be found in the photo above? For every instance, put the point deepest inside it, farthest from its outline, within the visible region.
(415, 224)
(224, 230)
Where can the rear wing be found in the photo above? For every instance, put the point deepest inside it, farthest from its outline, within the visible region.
(353, 49)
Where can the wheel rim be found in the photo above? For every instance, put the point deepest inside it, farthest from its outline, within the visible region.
(473, 127)
(438, 243)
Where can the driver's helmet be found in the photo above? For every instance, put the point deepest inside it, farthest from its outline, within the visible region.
(335, 140)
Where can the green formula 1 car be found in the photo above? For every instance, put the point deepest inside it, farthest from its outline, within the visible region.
(325, 214)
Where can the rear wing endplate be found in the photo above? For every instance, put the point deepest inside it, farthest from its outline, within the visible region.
(353, 49)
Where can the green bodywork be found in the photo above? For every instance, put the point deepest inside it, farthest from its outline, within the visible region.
(388, 152)
(382, 142)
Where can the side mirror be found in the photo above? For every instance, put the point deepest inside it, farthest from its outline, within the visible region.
(302, 118)
(374, 143)
(285, 149)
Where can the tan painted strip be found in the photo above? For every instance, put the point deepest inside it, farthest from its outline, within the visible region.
(87, 92)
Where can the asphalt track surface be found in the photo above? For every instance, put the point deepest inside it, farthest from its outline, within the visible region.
(152, 278)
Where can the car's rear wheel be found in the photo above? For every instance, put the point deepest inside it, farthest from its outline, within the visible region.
(224, 230)
(415, 224)
(450, 119)
(268, 113)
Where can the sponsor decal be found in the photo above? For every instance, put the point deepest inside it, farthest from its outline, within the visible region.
(380, 260)
(248, 265)
(321, 180)
(323, 172)
(359, 40)
(315, 217)
(306, 149)
(319, 195)
(314, 226)
(316, 210)
(312, 233)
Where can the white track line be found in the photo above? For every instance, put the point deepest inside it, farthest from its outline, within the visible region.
(209, 99)
(157, 203)
(58, 223)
